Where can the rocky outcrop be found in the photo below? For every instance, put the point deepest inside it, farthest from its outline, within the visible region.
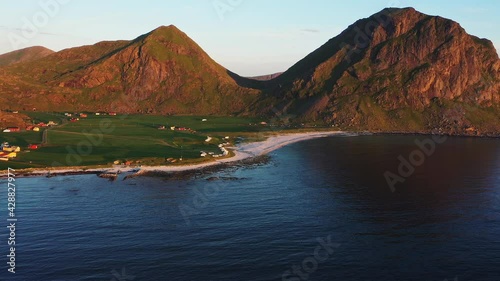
(384, 69)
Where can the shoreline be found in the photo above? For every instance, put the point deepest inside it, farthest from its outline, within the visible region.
(241, 152)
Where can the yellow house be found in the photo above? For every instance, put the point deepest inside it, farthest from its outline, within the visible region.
(8, 154)
(12, 149)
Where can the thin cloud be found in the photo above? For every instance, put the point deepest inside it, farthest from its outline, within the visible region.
(310, 30)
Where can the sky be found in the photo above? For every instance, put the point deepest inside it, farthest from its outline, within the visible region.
(249, 37)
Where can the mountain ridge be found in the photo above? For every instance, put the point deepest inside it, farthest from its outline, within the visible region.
(368, 76)
(397, 70)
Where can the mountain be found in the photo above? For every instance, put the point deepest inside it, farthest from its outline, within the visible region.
(162, 72)
(266, 77)
(398, 70)
(24, 55)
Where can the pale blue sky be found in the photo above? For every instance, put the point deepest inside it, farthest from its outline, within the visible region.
(249, 37)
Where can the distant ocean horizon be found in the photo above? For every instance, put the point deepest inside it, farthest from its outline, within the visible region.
(339, 208)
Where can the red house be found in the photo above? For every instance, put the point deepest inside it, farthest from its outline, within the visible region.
(33, 147)
(14, 129)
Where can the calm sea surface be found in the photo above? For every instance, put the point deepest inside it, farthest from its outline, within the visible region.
(318, 210)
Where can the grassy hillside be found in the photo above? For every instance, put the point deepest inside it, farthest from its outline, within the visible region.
(24, 55)
(101, 140)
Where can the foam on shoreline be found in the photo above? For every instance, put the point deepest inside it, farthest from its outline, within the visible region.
(241, 152)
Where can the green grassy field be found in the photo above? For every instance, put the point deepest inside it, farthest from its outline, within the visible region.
(101, 140)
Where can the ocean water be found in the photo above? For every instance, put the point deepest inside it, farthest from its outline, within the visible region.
(318, 210)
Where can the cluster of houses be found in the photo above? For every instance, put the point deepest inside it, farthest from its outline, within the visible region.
(34, 128)
(179, 129)
(75, 117)
(8, 151)
(222, 147)
(85, 115)
(125, 163)
(224, 152)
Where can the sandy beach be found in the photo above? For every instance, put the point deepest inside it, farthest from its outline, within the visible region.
(250, 150)
(241, 152)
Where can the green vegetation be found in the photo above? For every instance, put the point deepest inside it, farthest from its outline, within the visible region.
(101, 140)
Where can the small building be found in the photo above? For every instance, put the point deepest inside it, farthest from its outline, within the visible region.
(52, 123)
(36, 129)
(112, 114)
(33, 147)
(13, 129)
(42, 124)
(5, 144)
(83, 115)
(8, 148)
(204, 120)
(97, 114)
(161, 128)
(172, 128)
(208, 139)
(9, 155)
(29, 128)
(15, 112)
(74, 119)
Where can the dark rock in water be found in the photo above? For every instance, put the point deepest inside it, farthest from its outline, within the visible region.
(110, 176)
(232, 178)
(206, 171)
(225, 178)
